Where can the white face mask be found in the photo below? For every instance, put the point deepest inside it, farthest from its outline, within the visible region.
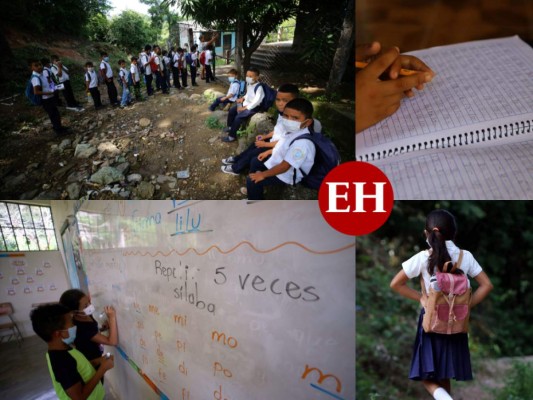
(88, 310)
(291, 126)
(249, 81)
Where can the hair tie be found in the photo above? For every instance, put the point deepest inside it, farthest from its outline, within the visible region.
(435, 229)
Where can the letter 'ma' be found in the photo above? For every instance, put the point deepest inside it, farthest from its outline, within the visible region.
(321, 376)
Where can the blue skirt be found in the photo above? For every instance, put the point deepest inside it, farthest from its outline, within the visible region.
(437, 356)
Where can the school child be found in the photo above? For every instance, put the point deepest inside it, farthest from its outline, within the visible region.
(233, 91)
(207, 66)
(236, 164)
(193, 63)
(91, 84)
(73, 376)
(289, 158)
(123, 79)
(61, 73)
(439, 357)
(182, 65)
(250, 105)
(51, 78)
(176, 69)
(203, 47)
(378, 99)
(41, 87)
(160, 71)
(166, 63)
(135, 78)
(146, 57)
(89, 340)
(107, 74)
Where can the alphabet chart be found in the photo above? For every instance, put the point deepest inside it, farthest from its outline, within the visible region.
(223, 300)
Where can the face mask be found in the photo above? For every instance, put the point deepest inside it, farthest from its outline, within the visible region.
(90, 69)
(291, 126)
(89, 309)
(231, 79)
(106, 59)
(71, 335)
(249, 80)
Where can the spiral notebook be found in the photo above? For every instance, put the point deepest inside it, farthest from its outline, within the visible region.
(471, 127)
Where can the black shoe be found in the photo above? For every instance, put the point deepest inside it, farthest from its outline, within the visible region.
(195, 84)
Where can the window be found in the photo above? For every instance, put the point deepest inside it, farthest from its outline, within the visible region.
(25, 227)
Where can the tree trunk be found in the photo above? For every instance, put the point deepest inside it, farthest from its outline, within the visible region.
(239, 44)
(301, 30)
(344, 49)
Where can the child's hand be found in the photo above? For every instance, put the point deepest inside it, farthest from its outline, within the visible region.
(239, 100)
(423, 300)
(257, 177)
(260, 143)
(107, 363)
(262, 156)
(110, 312)
(365, 52)
(375, 99)
(409, 62)
(240, 109)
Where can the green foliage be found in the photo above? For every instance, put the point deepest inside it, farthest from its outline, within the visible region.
(518, 383)
(246, 131)
(131, 31)
(213, 123)
(97, 28)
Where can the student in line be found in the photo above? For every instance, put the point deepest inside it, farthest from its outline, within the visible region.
(159, 72)
(52, 80)
(89, 340)
(250, 105)
(233, 91)
(146, 57)
(136, 78)
(61, 73)
(176, 69)
(193, 63)
(123, 79)
(377, 98)
(289, 158)
(91, 84)
(166, 63)
(207, 67)
(439, 357)
(182, 65)
(107, 74)
(73, 376)
(41, 87)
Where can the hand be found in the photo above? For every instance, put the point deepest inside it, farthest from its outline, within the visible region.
(366, 52)
(262, 156)
(412, 63)
(376, 99)
(107, 363)
(239, 100)
(240, 109)
(110, 312)
(257, 177)
(423, 300)
(260, 143)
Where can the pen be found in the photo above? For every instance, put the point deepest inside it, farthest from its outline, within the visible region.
(404, 72)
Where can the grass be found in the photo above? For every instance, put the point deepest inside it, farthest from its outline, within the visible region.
(213, 123)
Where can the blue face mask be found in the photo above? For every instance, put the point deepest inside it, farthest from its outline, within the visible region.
(231, 79)
(71, 335)
(106, 59)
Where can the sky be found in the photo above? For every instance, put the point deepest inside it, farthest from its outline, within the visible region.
(121, 5)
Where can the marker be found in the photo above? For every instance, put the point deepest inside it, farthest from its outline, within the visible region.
(403, 72)
(107, 355)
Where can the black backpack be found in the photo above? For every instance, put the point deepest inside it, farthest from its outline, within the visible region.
(269, 99)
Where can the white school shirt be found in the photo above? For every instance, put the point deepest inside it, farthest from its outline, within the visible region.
(108, 70)
(233, 91)
(158, 63)
(418, 264)
(47, 73)
(144, 60)
(123, 73)
(194, 57)
(43, 83)
(301, 154)
(252, 98)
(166, 60)
(64, 76)
(176, 59)
(208, 56)
(93, 81)
(134, 70)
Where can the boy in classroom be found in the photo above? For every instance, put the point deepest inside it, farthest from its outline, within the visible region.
(182, 65)
(73, 376)
(136, 79)
(107, 74)
(146, 56)
(52, 80)
(250, 105)
(91, 84)
(233, 91)
(289, 157)
(236, 164)
(61, 73)
(208, 60)
(41, 87)
(123, 78)
(378, 98)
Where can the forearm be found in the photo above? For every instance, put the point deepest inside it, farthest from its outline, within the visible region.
(113, 332)
(480, 294)
(277, 169)
(271, 144)
(89, 386)
(407, 292)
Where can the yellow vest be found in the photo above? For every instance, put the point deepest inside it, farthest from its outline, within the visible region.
(86, 371)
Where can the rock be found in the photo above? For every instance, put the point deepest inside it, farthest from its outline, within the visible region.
(145, 191)
(54, 149)
(32, 166)
(263, 123)
(133, 178)
(46, 186)
(14, 181)
(109, 149)
(123, 168)
(221, 116)
(84, 150)
(29, 195)
(182, 96)
(168, 180)
(195, 97)
(213, 139)
(73, 191)
(77, 176)
(52, 195)
(64, 144)
(107, 175)
(144, 122)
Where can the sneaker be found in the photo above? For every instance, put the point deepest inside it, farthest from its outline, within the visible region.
(244, 191)
(80, 109)
(228, 161)
(228, 139)
(226, 129)
(72, 108)
(195, 84)
(228, 170)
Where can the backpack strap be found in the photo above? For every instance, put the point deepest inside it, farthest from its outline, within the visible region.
(423, 286)
(455, 266)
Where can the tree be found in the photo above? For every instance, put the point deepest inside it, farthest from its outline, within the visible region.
(161, 14)
(98, 28)
(131, 31)
(251, 19)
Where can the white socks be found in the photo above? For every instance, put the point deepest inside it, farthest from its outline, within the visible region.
(441, 394)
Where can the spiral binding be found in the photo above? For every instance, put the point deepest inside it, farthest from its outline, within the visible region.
(483, 135)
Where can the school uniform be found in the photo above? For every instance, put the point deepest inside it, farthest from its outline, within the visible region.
(48, 101)
(193, 66)
(300, 155)
(134, 71)
(166, 62)
(182, 65)
(148, 77)
(111, 88)
(252, 100)
(439, 356)
(208, 71)
(161, 82)
(67, 91)
(92, 78)
(126, 98)
(233, 93)
(50, 77)
(67, 368)
(176, 70)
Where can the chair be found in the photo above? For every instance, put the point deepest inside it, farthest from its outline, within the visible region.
(10, 329)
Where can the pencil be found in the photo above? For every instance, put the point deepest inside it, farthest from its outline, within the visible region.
(403, 72)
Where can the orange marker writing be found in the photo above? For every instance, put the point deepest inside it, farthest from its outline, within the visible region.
(403, 72)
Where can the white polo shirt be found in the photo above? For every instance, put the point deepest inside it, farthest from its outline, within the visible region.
(43, 83)
(92, 78)
(108, 70)
(208, 56)
(233, 91)
(253, 98)
(301, 154)
(145, 58)
(64, 75)
(135, 73)
(418, 264)
(176, 59)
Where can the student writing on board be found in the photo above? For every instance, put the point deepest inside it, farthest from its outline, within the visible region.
(89, 340)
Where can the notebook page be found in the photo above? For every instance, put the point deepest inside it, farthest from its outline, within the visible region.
(490, 171)
(478, 84)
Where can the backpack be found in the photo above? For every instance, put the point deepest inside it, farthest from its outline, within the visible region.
(447, 310)
(326, 158)
(202, 58)
(35, 99)
(188, 59)
(129, 79)
(242, 87)
(270, 97)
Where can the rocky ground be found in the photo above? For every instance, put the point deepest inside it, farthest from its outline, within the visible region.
(157, 149)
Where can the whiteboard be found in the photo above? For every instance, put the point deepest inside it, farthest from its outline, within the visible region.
(224, 300)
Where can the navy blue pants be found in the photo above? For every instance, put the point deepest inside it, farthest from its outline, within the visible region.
(184, 77)
(193, 74)
(161, 82)
(235, 119)
(50, 107)
(112, 91)
(217, 102)
(176, 77)
(148, 79)
(256, 190)
(243, 160)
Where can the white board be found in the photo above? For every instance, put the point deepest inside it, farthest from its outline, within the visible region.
(224, 299)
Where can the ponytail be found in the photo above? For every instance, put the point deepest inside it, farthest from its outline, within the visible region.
(440, 227)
